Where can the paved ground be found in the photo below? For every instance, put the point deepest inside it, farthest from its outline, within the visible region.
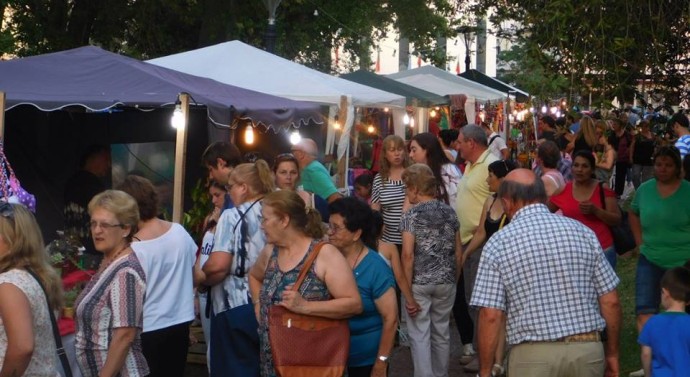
(401, 362)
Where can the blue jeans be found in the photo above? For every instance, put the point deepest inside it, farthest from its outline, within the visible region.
(647, 286)
(610, 255)
(235, 343)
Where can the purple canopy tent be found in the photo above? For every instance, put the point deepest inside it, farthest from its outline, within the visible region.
(93, 80)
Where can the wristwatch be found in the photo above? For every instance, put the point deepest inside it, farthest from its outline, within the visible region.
(383, 358)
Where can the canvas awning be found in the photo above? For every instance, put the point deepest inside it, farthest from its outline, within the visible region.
(476, 76)
(411, 93)
(443, 83)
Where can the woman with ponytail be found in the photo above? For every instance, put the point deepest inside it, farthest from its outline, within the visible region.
(236, 246)
(26, 348)
(353, 229)
(329, 290)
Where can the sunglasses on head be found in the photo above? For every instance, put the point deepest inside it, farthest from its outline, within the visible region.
(6, 210)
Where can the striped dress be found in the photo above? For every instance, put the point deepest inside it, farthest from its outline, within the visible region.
(391, 195)
(113, 298)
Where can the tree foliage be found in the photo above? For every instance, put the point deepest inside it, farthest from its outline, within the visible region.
(152, 28)
(609, 46)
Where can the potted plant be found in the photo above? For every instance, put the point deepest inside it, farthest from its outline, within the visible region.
(70, 297)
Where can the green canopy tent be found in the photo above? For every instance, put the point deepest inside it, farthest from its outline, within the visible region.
(414, 96)
(478, 77)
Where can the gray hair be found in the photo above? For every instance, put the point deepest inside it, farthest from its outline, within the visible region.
(475, 133)
(523, 193)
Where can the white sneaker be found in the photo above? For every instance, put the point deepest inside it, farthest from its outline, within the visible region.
(468, 354)
(637, 373)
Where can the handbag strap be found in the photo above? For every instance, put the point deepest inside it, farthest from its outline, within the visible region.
(307, 265)
(56, 333)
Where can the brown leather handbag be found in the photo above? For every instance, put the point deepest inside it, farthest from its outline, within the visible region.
(304, 345)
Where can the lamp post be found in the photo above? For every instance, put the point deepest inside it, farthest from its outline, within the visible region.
(271, 34)
(468, 34)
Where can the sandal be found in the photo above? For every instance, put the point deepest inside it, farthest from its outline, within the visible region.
(498, 370)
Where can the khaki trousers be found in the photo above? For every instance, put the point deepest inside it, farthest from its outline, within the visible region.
(557, 359)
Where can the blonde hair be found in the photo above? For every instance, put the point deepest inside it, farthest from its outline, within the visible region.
(588, 131)
(27, 250)
(420, 177)
(120, 204)
(384, 165)
(256, 175)
(287, 203)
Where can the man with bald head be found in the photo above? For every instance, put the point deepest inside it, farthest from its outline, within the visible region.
(313, 175)
(545, 276)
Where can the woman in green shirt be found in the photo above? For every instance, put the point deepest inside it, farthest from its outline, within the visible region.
(660, 221)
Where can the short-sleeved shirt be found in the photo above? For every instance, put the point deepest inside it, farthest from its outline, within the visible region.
(373, 278)
(391, 195)
(497, 145)
(42, 361)
(570, 207)
(114, 298)
(665, 224)
(234, 290)
(472, 193)
(683, 145)
(547, 273)
(315, 178)
(434, 225)
(668, 335)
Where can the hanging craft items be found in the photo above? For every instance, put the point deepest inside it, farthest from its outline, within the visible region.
(11, 190)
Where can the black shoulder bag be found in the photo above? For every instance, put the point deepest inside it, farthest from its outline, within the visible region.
(56, 333)
(623, 239)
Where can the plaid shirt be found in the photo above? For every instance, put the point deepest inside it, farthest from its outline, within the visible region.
(546, 272)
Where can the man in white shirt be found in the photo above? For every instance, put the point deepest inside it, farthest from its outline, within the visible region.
(497, 146)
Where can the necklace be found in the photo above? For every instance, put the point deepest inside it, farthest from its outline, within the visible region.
(105, 264)
(357, 259)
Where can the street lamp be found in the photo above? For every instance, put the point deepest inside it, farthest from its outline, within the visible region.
(468, 34)
(271, 34)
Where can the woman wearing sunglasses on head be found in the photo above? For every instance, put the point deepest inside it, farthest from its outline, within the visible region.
(26, 346)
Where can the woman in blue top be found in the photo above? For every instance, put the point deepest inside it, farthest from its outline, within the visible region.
(353, 229)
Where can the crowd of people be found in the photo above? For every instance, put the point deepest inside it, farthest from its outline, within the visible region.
(524, 260)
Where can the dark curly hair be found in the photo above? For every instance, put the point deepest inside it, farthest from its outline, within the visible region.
(357, 215)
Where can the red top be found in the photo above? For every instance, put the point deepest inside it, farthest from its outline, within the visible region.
(570, 208)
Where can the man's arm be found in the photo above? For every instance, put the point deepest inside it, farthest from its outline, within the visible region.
(611, 311)
(490, 320)
(646, 357)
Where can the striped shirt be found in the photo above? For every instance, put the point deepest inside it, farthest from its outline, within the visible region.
(547, 273)
(683, 145)
(112, 299)
(391, 195)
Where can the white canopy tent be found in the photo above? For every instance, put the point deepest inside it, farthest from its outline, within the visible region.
(241, 65)
(443, 83)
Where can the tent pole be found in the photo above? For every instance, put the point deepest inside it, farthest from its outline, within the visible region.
(180, 154)
(342, 163)
(2, 115)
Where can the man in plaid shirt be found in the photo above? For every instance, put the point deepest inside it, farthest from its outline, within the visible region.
(547, 274)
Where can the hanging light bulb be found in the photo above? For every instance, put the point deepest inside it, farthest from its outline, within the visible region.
(177, 119)
(432, 113)
(295, 137)
(412, 123)
(249, 135)
(406, 119)
(371, 129)
(543, 109)
(336, 125)
(385, 109)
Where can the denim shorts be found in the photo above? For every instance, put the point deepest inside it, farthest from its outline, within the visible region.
(647, 286)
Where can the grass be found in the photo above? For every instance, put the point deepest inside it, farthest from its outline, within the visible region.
(629, 349)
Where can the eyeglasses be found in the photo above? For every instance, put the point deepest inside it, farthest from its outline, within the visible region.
(263, 219)
(6, 210)
(335, 228)
(105, 226)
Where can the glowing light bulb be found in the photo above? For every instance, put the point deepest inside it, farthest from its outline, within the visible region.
(336, 125)
(432, 113)
(295, 137)
(249, 135)
(371, 129)
(385, 109)
(177, 119)
(406, 119)
(543, 109)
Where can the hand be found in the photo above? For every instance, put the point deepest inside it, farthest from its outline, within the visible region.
(292, 300)
(587, 208)
(379, 369)
(257, 312)
(611, 367)
(196, 306)
(412, 307)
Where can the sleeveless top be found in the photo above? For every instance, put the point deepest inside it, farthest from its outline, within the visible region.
(43, 360)
(275, 281)
(492, 226)
(556, 177)
(206, 249)
(581, 144)
(644, 151)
